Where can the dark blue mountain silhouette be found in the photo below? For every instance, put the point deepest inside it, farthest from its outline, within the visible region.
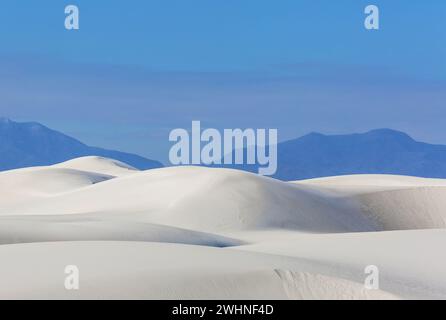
(382, 151)
(32, 144)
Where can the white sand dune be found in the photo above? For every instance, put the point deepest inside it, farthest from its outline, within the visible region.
(205, 233)
(23, 187)
(99, 165)
(392, 202)
(375, 180)
(135, 270)
(214, 200)
(411, 262)
(27, 229)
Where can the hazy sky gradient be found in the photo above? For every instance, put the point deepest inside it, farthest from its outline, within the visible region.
(137, 69)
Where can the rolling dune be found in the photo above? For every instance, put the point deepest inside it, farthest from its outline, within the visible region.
(205, 233)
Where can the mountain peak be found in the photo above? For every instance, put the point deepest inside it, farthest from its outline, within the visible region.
(379, 151)
(389, 133)
(4, 120)
(315, 134)
(25, 144)
(312, 136)
(7, 121)
(14, 128)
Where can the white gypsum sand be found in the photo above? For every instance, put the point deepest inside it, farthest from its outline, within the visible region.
(205, 233)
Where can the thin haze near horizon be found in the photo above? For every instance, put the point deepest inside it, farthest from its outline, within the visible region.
(133, 72)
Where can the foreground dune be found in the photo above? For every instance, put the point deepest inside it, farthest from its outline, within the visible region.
(192, 232)
(138, 270)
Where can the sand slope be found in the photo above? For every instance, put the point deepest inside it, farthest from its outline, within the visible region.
(192, 232)
(136, 270)
(392, 202)
(99, 165)
(203, 199)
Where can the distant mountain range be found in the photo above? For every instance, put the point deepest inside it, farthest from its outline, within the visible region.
(381, 151)
(32, 144)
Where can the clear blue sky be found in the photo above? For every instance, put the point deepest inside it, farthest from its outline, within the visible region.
(137, 69)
